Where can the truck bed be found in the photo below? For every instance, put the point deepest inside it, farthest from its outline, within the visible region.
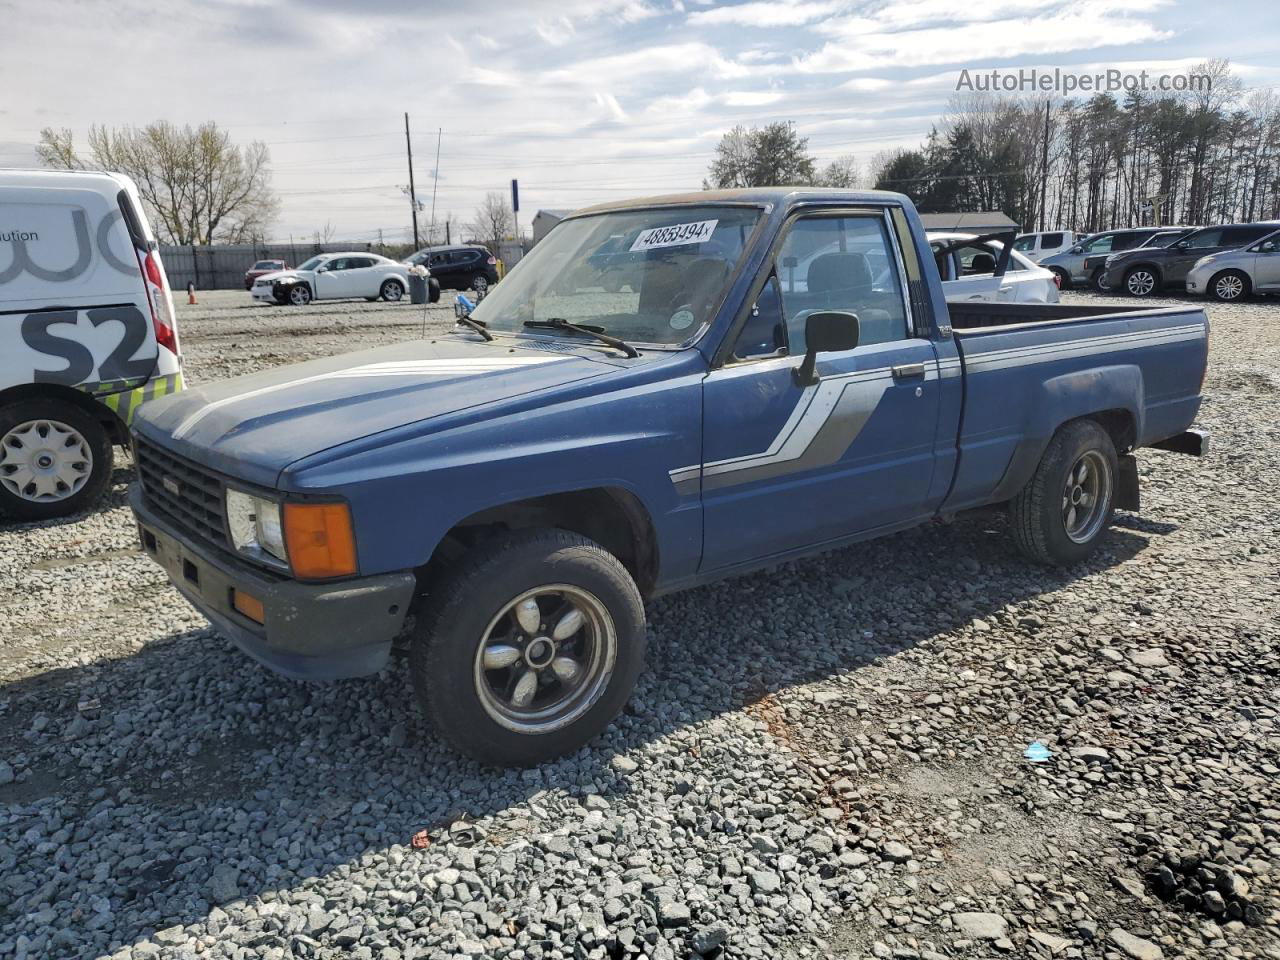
(1027, 368)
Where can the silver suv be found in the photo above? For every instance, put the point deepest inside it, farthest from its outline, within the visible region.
(1234, 274)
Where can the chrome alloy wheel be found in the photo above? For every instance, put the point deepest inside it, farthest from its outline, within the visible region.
(545, 659)
(44, 461)
(1141, 283)
(1086, 496)
(1229, 286)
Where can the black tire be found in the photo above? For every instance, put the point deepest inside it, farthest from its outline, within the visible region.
(480, 284)
(464, 610)
(1230, 286)
(22, 503)
(1095, 281)
(433, 290)
(1039, 515)
(391, 291)
(1064, 278)
(612, 281)
(300, 295)
(1142, 282)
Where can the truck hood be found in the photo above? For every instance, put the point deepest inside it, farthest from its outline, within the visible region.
(252, 427)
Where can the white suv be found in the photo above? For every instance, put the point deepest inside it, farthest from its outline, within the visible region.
(334, 276)
(1037, 246)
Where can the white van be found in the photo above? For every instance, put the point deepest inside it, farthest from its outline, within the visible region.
(87, 333)
(1037, 246)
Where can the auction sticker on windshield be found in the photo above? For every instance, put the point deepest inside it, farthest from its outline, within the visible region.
(675, 235)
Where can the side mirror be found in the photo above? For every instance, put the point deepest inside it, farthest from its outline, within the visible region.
(323, 268)
(1077, 249)
(825, 332)
(1180, 245)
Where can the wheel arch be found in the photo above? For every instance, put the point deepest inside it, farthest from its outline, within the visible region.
(1242, 274)
(115, 427)
(613, 517)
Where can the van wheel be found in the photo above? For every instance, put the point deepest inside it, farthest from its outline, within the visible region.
(1141, 282)
(55, 459)
(1064, 510)
(300, 295)
(529, 647)
(392, 290)
(1229, 286)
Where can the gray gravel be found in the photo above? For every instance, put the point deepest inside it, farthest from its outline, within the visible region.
(823, 760)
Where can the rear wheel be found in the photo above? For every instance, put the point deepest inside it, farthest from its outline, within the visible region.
(1065, 509)
(392, 290)
(1063, 278)
(480, 284)
(529, 647)
(1229, 286)
(1141, 282)
(55, 459)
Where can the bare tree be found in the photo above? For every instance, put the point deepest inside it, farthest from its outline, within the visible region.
(57, 149)
(198, 186)
(494, 220)
(841, 172)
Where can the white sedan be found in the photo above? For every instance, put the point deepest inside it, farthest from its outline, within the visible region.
(969, 266)
(334, 276)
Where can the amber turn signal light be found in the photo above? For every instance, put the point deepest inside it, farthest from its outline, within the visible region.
(319, 539)
(248, 606)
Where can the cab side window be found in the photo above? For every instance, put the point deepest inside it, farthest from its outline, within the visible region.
(843, 263)
(765, 333)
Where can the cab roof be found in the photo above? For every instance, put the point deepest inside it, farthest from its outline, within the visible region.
(763, 196)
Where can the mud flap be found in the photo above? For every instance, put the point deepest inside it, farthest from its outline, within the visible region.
(1127, 496)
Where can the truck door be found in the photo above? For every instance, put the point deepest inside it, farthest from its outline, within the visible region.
(788, 465)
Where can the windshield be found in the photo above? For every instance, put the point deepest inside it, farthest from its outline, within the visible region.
(268, 265)
(648, 276)
(312, 263)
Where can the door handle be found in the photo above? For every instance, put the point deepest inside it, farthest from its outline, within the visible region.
(905, 371)
(1006, 288)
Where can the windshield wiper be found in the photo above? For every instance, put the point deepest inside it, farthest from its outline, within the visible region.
(559, 323)
(479, 326)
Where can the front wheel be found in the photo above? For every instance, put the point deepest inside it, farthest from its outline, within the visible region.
(1141, 282)
(300, 295)
(1095, 281)
(55, 459)
(529, 647)
(392, 290)
(1065, 509)
(1229, 286)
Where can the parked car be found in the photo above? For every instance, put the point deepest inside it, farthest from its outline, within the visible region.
(334, 276)
(261, 269)
(1069, 265)
(971, 268)
(1235, 274)
(88, 334)
(761, 397)
(459, 267)
(1037, 246)
(1094, 264)
(1147, 271)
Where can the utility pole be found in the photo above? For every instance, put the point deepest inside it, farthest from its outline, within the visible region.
(1044, 165)
(435, 182)
(413, 196)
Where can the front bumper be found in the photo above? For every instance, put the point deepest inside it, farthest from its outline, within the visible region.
(313, 631)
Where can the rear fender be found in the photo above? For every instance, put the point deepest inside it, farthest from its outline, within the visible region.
(1068, 397)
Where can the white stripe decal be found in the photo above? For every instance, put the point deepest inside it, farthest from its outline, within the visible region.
(461, 366)
(815, 404)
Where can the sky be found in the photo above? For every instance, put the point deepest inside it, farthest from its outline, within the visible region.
(581, 100)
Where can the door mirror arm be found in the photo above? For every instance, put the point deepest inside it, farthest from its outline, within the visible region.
(826, 331)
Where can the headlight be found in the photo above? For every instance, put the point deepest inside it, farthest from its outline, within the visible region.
(255, 525)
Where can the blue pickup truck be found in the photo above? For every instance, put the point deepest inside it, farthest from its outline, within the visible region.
(779, 375)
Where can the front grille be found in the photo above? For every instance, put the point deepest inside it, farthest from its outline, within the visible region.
(197, 506)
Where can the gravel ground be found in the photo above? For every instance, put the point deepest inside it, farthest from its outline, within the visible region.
(823, 760)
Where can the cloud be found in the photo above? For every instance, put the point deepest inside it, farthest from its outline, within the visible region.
(764, 13)
(751, 98)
